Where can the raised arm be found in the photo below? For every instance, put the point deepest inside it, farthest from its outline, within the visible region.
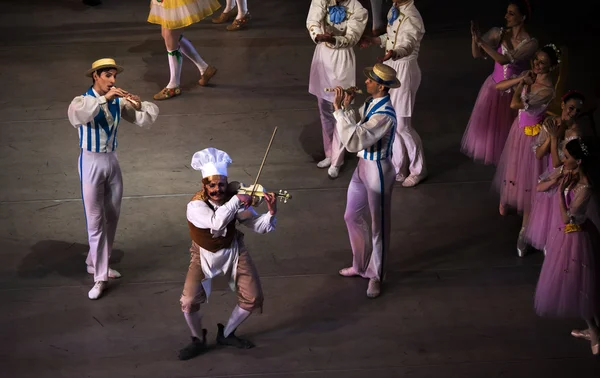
(542, 142)
(549, 180)
(83, 109)
(510, 83)
(204, 217)
(576, 211)
(356, 137)
(258, 223)
(145, 117)
(488, 43)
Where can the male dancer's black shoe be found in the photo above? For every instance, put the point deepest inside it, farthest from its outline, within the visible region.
(92, 3)
(232, 339)
(195, 348)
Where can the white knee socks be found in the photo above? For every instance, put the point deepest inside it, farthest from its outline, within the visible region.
(238, 315)
(190, 52)
(175, 63)
(194, 322)
(242, 8)
(230, 4)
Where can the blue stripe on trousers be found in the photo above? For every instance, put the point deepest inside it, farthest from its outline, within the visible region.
(81, 187)
(382, 187)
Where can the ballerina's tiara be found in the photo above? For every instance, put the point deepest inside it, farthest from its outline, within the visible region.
(556, 50)
(584, 148)
(571, 92)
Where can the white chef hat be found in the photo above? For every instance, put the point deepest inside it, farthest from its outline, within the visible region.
(211, 162)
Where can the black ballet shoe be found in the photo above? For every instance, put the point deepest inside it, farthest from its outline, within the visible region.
(232, 339)
(195, 348)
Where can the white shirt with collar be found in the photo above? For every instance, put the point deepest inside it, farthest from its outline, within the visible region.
(404, 35)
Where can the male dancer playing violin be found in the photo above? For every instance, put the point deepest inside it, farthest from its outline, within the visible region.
(369, 133)
(218, 249)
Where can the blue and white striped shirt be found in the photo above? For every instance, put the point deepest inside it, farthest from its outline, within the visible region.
(371, 138)
(98, 120)
(100, 134)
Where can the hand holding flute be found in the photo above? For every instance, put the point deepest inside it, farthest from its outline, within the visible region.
(115, 92)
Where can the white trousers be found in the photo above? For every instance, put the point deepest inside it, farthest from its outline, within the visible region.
(370, 199)
(334, 149)
(408, 156)
(101, 191)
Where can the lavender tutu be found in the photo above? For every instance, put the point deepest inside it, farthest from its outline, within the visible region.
(518, 169)
(544, 214)
(489, 124)
(567, 286)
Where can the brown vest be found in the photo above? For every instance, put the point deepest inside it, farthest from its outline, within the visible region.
(205, 239)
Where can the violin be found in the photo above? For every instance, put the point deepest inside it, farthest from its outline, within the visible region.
(257, 192)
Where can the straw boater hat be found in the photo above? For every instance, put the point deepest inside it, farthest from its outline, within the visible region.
(103, 63)
(382, 74)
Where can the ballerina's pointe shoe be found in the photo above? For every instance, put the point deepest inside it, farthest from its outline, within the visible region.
(581, 334)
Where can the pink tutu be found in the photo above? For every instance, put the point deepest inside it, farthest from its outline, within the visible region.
(567, 286)
(544, 214)
(489, 124)
(518, 170)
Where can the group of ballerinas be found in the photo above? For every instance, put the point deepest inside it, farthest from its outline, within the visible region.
(174, 16)
(545, 166)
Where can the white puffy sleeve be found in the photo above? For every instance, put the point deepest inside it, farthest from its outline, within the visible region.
(143, 118)
(314, 21)
(83, 109)
(202, 216)
(410, 33)
(359, 136)
(258, 223)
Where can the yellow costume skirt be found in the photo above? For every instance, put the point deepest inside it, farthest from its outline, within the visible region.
(175, 14)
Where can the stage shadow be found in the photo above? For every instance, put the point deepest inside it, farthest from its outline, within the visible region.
(55, 256)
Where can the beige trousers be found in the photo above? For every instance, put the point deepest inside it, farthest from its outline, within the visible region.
(248, 287)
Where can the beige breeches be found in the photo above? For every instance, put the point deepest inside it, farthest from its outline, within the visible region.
(247, 287)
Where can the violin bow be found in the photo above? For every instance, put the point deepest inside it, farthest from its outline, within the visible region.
(263, 162)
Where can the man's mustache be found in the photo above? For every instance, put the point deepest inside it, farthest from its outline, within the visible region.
(216, 192)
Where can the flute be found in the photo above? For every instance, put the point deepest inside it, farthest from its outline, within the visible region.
(134, 102)
(128, 98)
(350, 90)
